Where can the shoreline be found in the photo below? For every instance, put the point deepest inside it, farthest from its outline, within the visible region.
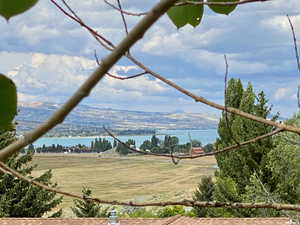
(124, 135)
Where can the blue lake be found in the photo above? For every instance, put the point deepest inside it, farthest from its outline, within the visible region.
(205, 136)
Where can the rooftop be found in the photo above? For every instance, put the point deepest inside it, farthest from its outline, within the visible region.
(176, 220)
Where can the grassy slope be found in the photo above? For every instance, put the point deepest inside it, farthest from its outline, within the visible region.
(138, 178)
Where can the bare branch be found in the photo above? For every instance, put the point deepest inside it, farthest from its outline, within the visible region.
(128, 77)
(188, 156)
(58, 117)
(123, 17)
(295, 42)
(119, 77)
(225, 104)
(102, 41)
(189, 203)
(124, 12)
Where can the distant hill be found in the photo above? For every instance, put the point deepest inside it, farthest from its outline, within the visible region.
(86, 120)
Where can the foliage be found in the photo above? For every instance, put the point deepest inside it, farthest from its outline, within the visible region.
(196, 143)
(9, 8)
(171, 211)
(100, 145)
(122, 149)
(155, 141)
(192, 14)
(208, 148)
(203, 192)
(19, 198)
(225, 9)
(138, 212)
(147, 145)
(89, 208)
(237, 167)
(8, 102)
(186, 14)
(284, 162)
(142, 212)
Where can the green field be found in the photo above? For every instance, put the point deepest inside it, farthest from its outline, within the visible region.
(137, 178)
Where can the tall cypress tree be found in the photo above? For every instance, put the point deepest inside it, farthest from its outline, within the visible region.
(20, 198)
(236, 167)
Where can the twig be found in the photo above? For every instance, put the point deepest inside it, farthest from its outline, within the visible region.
(225, 102)
(172, 156)
(128, 77)
(295, 41)
(188, 203)
(188, 156)
(58, 117)
(123, 17)
(115, 76)
(124, 12)
(103, 41)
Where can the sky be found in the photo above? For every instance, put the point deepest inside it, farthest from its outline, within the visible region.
(48, 55)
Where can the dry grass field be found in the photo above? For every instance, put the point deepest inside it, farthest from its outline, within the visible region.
(136, 178)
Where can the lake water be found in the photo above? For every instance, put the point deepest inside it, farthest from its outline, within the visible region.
(205, 136)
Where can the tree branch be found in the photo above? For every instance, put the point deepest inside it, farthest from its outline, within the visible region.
(123, 17)
(124, 12)
(119, 77)
(188, 156)
(295, 42)
(58, 117)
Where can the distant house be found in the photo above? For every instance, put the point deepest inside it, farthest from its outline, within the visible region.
(197, 150)
(176, 220)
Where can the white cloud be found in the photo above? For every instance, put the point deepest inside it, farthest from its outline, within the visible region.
(286, 94)
(281, 23)
(46, 77)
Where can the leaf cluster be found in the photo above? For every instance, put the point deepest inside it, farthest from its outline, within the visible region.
(185, 13)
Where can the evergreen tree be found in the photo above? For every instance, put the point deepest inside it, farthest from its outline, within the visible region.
(204, 192)
(196, 143)
(146, 145)
(154, 141)
(237, 167)
(19, 198)
(88, 208)
(115, 144)
(122, 149)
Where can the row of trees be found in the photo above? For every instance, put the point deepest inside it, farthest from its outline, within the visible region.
(265, 171)
(101, 145)
(171, 143)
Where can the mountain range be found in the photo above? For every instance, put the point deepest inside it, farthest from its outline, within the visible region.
(87, 120)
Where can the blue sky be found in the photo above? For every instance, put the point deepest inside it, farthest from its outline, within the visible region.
(49, 56)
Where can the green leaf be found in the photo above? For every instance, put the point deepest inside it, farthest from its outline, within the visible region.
(186, 14)
(9, 8)
(8, 102)
(222, 9)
